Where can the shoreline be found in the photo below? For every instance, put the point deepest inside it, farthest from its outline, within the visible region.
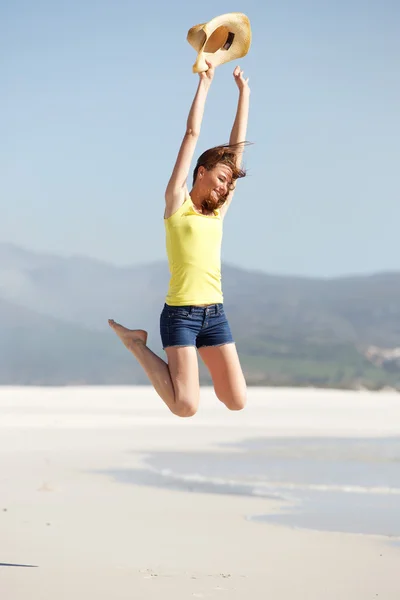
(250, 386)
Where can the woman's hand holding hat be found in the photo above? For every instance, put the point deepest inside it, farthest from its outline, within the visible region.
(209, 74)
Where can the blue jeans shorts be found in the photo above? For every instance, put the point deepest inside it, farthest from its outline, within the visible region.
(197, 326)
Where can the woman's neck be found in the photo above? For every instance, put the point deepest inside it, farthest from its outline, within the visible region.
(198, 203)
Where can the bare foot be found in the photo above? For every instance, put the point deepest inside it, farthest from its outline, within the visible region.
(129, 337)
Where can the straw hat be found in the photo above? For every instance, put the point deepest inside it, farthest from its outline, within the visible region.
(222, 39)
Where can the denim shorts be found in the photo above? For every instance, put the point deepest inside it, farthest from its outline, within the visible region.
(197, 326)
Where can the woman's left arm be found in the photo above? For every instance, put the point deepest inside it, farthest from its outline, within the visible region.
(239, 129)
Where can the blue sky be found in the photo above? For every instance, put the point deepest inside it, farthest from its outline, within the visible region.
(94, 99)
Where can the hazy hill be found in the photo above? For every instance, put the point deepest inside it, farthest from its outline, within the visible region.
(35, 349)
(289, 330)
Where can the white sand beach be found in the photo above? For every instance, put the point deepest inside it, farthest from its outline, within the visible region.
(69, 529)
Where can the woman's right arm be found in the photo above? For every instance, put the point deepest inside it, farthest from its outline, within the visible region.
(177, 188)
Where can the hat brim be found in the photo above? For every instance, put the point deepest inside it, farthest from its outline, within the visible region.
(224, 38)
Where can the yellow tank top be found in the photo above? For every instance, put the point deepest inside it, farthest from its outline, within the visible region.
(193, 245)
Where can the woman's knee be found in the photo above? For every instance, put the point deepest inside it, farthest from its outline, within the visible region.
(184, 407)
(234, 401)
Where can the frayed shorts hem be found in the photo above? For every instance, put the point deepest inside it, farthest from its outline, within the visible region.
(179, 346)
(198, 347)
(215, 345)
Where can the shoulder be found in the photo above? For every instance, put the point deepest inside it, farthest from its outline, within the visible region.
(175, 205)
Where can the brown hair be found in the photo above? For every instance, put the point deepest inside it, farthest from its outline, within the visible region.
(225, 154)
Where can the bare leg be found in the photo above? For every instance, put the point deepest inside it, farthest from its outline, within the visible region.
(227, 375)
(176, 382)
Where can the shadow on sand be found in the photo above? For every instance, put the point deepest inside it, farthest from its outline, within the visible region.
(12, 565)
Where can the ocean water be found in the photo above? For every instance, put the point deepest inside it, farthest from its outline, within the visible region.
(348, 485)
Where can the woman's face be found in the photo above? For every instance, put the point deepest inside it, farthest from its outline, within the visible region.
(215, 183)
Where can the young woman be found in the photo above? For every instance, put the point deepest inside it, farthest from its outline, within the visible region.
(193, 317)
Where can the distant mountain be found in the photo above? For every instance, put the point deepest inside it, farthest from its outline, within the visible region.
(81, 290)
(39, 350)
(289, 330)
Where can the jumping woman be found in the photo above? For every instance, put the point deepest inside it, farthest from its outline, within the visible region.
(193, 317)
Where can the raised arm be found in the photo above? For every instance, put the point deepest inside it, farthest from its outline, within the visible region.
(239, 129)
(177, 187)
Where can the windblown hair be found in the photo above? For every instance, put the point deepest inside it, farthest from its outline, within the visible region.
(225, 154)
